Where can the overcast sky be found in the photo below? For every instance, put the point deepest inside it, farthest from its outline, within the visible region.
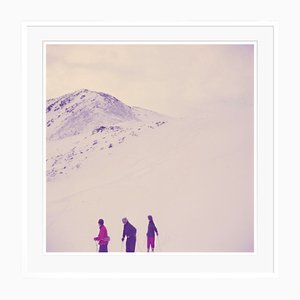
(170, 79)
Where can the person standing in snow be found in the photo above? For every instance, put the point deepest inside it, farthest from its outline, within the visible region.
(151, 234)
(130, 232)
(102, 237)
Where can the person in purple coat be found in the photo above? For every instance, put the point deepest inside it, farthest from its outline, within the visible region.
(130, 232)
(151, 234)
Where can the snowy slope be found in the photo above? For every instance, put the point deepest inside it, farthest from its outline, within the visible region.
(194, 175)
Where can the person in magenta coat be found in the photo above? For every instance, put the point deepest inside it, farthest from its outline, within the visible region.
(102, 237)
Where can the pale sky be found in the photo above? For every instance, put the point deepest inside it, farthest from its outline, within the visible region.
(170, 79)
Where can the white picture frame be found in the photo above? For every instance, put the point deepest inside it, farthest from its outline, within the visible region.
(38, 263)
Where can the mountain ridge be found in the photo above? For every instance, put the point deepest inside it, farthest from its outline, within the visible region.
(73, 113)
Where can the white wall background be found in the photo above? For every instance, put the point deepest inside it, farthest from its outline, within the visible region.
(14, 286)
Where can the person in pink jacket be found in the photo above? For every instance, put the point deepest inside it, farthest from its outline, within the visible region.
(102, 237)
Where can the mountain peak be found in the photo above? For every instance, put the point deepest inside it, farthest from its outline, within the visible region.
(85, 110)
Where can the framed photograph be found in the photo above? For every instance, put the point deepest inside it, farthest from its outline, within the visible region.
(152, 143)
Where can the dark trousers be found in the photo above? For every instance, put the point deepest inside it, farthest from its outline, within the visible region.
(103, 248)
(130, 244)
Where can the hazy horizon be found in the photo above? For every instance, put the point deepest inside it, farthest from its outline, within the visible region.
(170, 79)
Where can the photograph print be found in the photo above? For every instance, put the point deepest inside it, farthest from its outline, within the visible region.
(149, 148)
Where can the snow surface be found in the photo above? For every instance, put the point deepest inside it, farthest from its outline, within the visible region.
(107, 160)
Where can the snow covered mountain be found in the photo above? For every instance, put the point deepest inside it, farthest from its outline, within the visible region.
(85, 110)
(85, 121)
